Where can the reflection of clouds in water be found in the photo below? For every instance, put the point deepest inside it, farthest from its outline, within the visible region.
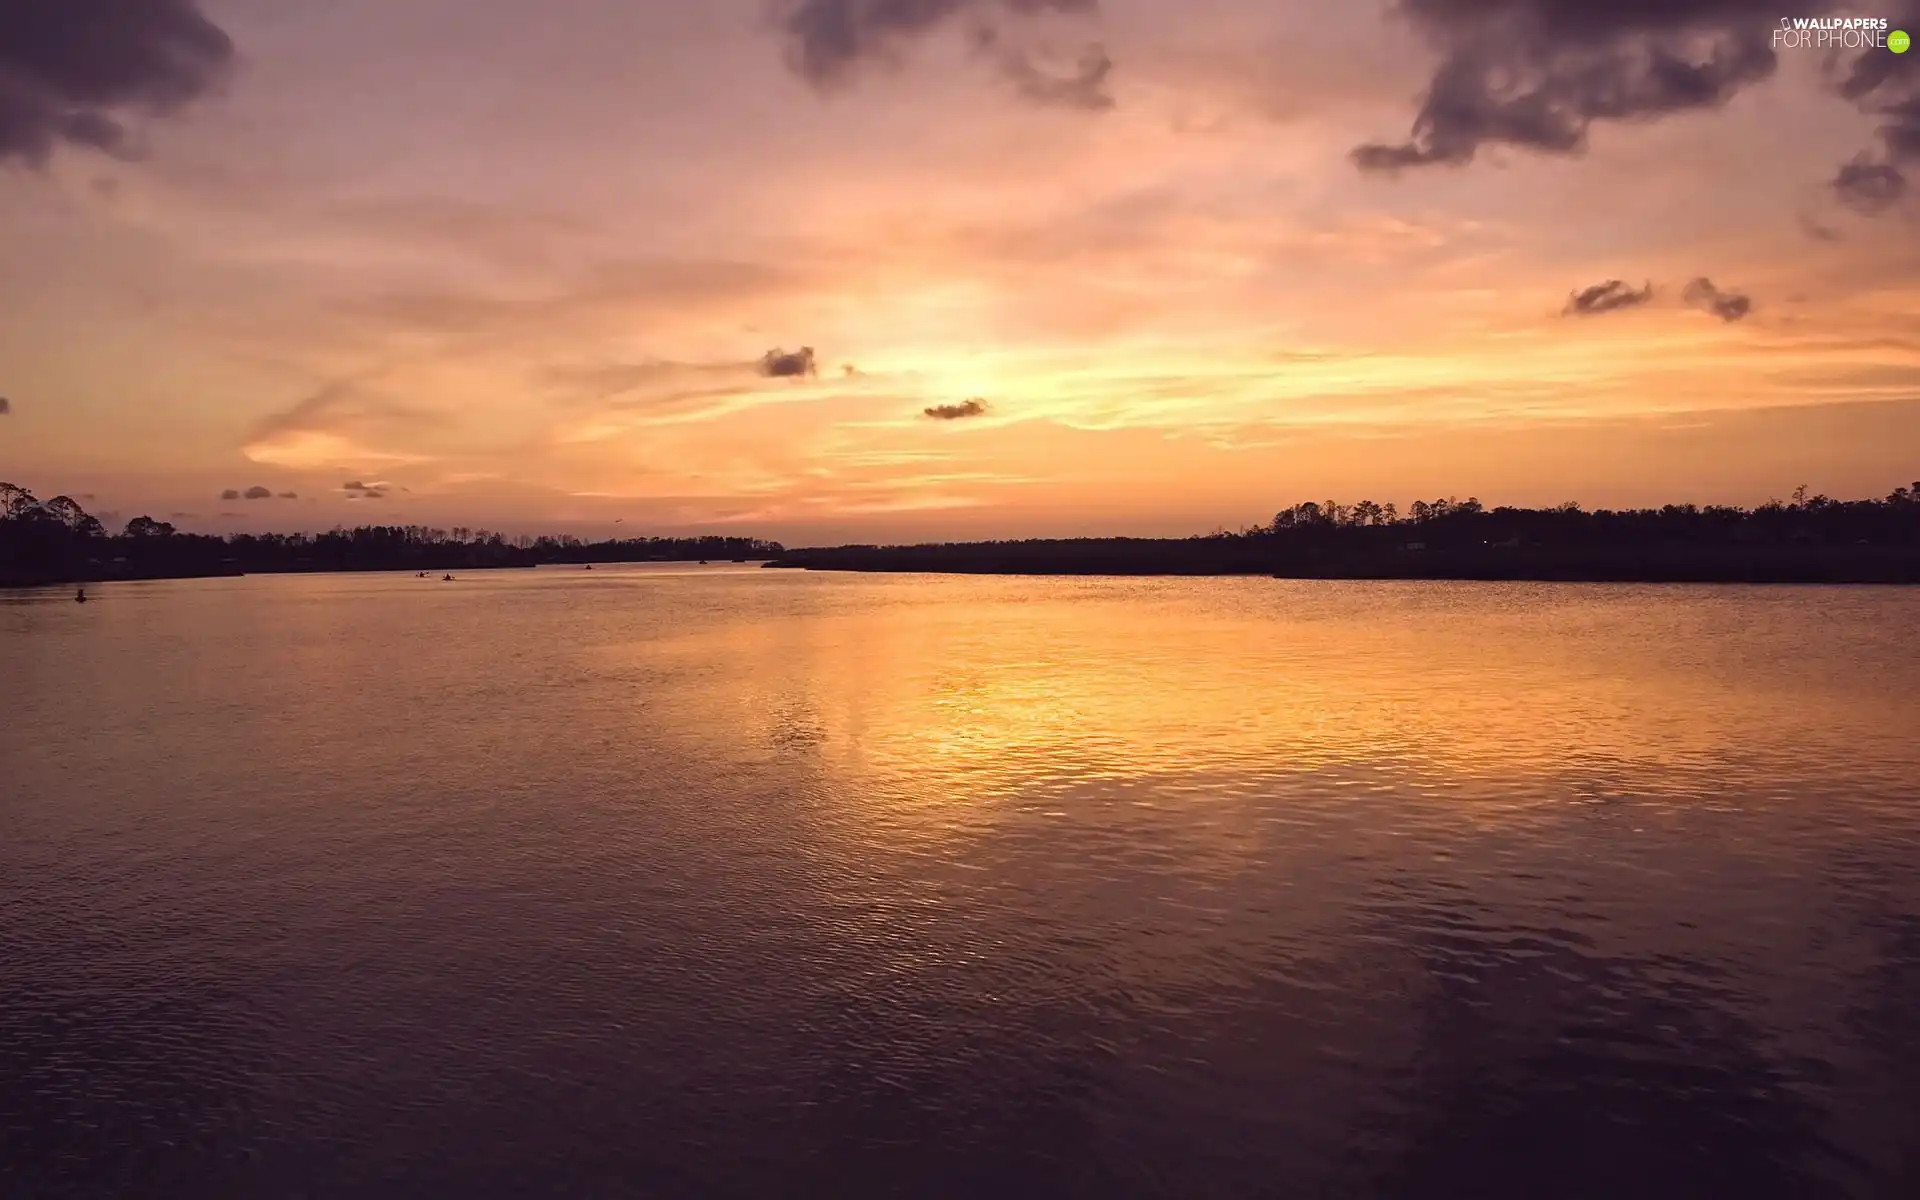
(1106, 888)
(1544, 1068)
(990, 687)
(1438, 1004)
(1561, 1000)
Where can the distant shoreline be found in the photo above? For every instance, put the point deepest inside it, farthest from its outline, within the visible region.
(1813, 539)
(1196, 558)
(1240, 557)
(16, 579)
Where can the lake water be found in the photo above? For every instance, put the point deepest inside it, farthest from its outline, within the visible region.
(730, 882)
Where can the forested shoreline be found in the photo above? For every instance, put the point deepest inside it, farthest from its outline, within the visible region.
(1808, 539)
(58, 541)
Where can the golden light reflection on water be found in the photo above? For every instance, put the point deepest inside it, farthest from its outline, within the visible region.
(976, 691)
(732, 849)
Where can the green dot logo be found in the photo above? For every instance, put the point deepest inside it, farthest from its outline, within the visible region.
(1898, 41)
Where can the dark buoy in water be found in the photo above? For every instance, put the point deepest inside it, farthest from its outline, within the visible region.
(80, 597)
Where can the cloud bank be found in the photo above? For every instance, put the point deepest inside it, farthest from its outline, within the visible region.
(1537, 74)
(1885, 86)
(70, 70)
(828, 41)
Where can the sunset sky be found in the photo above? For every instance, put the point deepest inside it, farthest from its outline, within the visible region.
(1141, 266)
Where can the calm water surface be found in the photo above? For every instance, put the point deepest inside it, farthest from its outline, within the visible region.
(731, 882)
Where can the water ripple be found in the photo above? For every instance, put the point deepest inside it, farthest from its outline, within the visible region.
(754, 883)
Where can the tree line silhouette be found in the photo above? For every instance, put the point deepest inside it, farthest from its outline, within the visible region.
(58, 541)
(1806, 539)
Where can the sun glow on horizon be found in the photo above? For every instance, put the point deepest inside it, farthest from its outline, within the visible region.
(1171, 308)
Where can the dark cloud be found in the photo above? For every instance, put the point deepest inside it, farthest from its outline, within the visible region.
(778, 364)
(6, 406)
(1084, 85)
(257, 493)
(70, 70)
(230, 494)
(1606, 297)
(957, 412)
(289, 495)
(1869, 187)
(356, 490)
(1728, 306)
(1885, 86)
(1538, 73)
(829, 40)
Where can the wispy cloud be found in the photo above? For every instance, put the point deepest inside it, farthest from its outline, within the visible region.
(1082, 84)
(1611, 296)
(1869, 187)
(346, 423)
(828, 41)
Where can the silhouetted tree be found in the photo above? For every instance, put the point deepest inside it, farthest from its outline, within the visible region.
(145, 527)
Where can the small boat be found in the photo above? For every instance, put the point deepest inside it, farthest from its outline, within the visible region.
(589, 566)
(446, 579)
(80, 597)
(703, 562)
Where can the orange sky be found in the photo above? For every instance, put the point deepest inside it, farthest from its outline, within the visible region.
(519, 266)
